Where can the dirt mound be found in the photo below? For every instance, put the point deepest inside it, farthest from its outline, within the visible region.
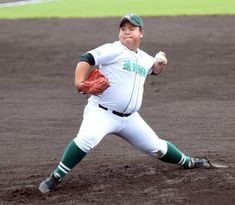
(190, 104)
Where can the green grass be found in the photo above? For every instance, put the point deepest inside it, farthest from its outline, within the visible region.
(104, 8)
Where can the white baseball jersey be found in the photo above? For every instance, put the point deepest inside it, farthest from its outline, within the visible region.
(126, 71)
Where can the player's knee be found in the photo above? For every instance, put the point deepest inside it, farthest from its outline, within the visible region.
(82, 144)
(160, 149)
(157, 154)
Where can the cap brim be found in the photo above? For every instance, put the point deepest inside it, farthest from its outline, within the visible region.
(124, 19)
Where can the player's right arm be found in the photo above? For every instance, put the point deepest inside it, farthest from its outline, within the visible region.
(101, 55)
(83, 69)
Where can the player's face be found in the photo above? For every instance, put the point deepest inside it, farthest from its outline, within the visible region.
(130, 36)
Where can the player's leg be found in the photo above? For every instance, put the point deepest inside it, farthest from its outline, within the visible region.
(96, 124)
(139, 133)
(72, 155)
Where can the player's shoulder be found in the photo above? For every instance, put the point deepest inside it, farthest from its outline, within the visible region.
(111, 47)
(115, 46)
(144, 53)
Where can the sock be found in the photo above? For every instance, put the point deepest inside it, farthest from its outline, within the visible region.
(175, 156)
(72, 156)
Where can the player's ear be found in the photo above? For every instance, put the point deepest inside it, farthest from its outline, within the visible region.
(141, 34)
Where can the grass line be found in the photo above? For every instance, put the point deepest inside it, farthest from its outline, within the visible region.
(117, 8)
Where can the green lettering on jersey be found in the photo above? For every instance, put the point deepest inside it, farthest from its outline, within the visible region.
(127, 65)
(142, 71)
(134, 67)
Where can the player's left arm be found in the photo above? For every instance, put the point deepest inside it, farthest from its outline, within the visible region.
(160, 63)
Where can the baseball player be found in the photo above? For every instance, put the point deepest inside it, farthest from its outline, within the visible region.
(115, 99)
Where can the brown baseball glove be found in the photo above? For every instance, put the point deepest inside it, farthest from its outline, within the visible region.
(95, 84)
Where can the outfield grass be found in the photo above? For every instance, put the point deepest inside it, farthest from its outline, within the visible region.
(104, 8)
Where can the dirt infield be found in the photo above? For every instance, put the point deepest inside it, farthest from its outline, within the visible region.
(191, 104)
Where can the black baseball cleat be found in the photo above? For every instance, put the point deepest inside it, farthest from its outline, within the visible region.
(200, 163)
(49, 183)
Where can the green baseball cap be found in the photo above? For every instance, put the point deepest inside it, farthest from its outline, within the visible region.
(133, 19)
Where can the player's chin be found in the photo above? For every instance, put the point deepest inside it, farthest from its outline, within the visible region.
(127, 42)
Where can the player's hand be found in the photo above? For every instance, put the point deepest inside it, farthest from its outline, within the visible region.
(95, 84)
(161, 58)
